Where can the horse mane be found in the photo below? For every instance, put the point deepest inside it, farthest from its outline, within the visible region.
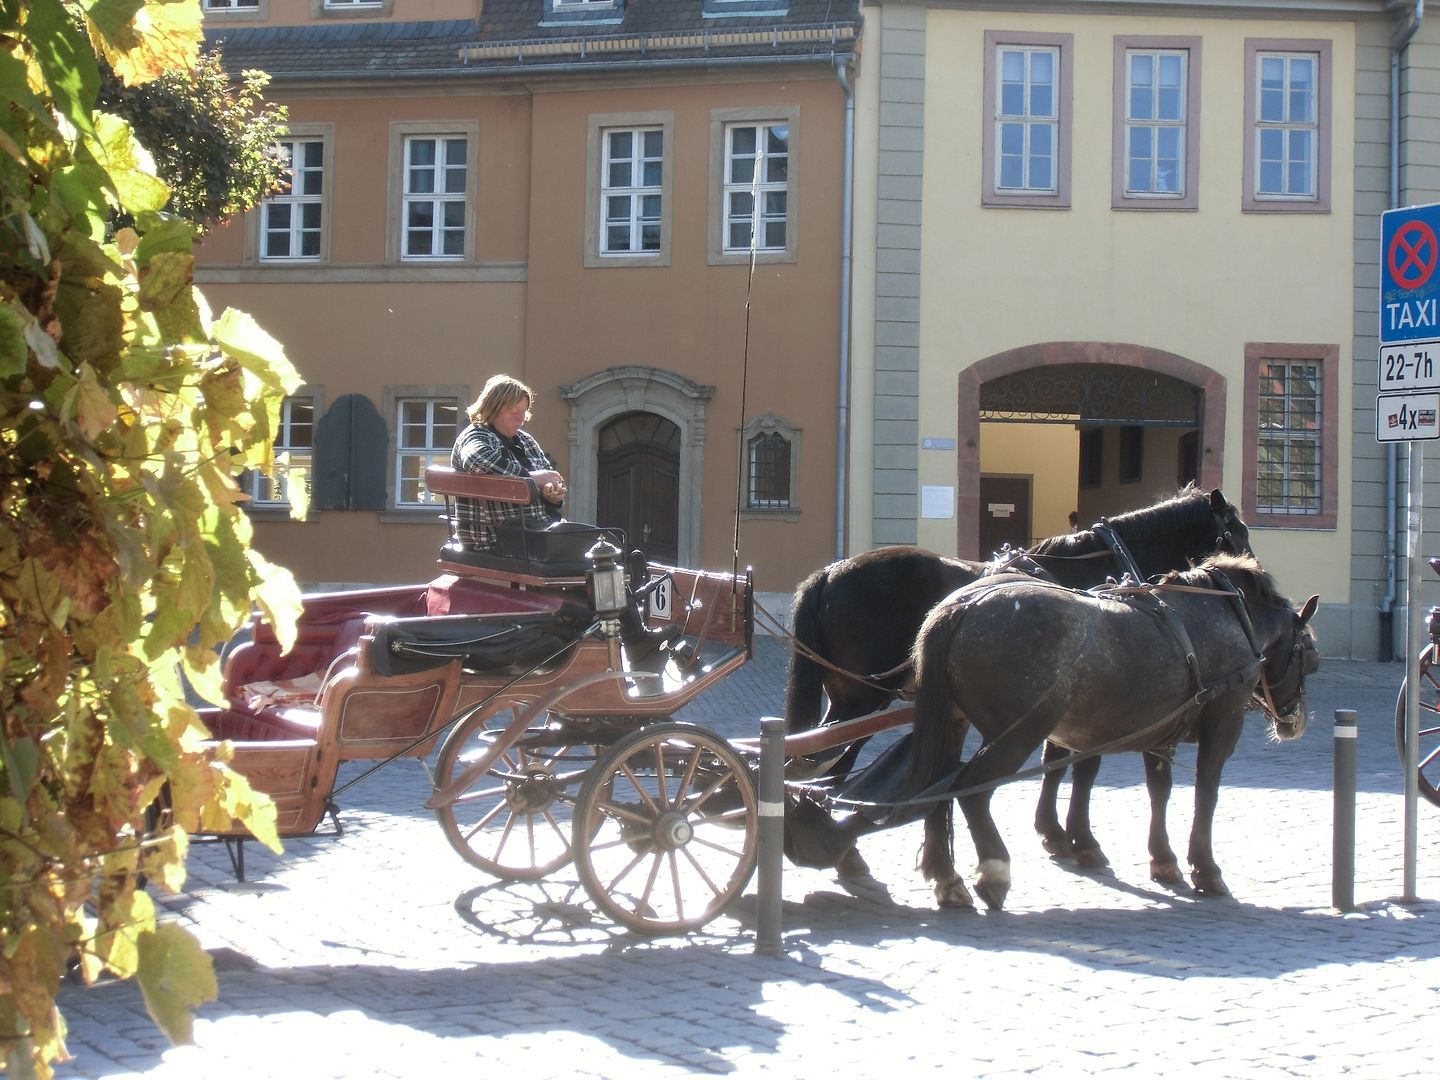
(1155, 529)
(1243, 571)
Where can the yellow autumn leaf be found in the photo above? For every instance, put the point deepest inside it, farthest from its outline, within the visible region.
(175, 975)
(144, 42)
(95, 412)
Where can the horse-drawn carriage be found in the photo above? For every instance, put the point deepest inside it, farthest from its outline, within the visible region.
(555, 739)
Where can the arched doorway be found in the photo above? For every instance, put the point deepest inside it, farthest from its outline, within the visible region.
(638, 483)
(604, 396)
(1125, 398)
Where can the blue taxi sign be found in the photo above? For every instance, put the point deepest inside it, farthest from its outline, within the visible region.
(1409, 283)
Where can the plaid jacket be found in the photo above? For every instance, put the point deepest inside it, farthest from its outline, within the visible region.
(478, 449)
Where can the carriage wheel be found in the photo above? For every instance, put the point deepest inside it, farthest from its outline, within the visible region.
(514, 819)
(1429, 771)
(666, 829)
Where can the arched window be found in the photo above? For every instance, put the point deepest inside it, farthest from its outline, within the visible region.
(772, 454)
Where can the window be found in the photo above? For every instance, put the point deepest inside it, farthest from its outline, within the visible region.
(1157, 123)
(627, 215)
(1132, 454)
(757, 163)
(232, 5)
(435, 203)
(1287, 121)
(771, 465)
(769, 472)
(634, 161)
(1092, 457)
(1027, 131)
(1292, 426)
(333, 9)
(424, 436)
(739, 140)
(293, 450)
(292, 223)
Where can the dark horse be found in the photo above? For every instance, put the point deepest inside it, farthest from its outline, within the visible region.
(1023, 661)
(861, 616)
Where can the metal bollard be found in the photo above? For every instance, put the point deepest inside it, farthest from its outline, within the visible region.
(771, 854)
(1342, 881)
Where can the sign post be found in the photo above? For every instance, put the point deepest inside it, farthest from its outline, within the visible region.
(1406, 408)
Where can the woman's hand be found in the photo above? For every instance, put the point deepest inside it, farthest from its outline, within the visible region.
(551, 485)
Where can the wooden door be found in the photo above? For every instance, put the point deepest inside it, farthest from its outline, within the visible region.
(639, 483)
(1004, 513)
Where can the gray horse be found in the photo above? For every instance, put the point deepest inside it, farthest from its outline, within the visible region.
(1125, 669)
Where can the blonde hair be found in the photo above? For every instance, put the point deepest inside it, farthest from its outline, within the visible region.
(500, 392)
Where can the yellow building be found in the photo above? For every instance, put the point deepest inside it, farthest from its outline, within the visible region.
(1106, 249)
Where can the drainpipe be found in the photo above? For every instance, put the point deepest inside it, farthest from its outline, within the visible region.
(846, 246)
(1398, 43)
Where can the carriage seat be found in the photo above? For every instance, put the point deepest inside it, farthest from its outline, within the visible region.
(556, 552)
(507, 644)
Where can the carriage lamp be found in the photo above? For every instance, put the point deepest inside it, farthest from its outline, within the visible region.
(607, 580)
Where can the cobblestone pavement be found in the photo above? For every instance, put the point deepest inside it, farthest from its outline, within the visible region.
(380, 953)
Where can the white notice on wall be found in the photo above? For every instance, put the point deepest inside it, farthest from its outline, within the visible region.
(937, 501)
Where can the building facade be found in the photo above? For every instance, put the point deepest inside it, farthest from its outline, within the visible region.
(1106, 249)
(637, 208)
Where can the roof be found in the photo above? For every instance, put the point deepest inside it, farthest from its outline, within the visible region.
(540, 35)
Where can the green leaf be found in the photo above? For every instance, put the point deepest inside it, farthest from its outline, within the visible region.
(21, 759)
(130, 166)
(71, 73)
(13, 350)
(175, 975)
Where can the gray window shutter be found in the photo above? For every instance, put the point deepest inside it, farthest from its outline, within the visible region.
(350, 449)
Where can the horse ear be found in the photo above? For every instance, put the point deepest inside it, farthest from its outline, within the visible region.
(1218, 502)
(1309, 609)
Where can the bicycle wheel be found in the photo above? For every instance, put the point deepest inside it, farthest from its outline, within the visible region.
(1429, 770)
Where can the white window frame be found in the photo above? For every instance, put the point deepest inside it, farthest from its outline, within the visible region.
(295, 203)
(1317, 126)
(601, 128)
(1123, 197)
(758, 221)
(722, 123)
(236, 9)
(1055, 195)
(287, 454)
(403, 135)
(344, 9)
(637, 194)
(407, 456)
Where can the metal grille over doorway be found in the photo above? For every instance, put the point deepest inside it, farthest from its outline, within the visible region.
(1090, 393)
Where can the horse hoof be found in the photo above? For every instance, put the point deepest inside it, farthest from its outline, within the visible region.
(1166, 874)
(851, 865)
(953, 895)
(993, 882)
(1055, 843)
(993, 893)
(1209, 883)
(1091, 858)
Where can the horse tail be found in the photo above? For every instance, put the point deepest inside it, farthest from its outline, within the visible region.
(802, 693)
(939, 727)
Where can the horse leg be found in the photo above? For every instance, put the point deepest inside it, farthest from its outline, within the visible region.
(1083, 844)
(1216, 742)
(1159, 779)
(937, 858)
(1047, 819)
(992, 762)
